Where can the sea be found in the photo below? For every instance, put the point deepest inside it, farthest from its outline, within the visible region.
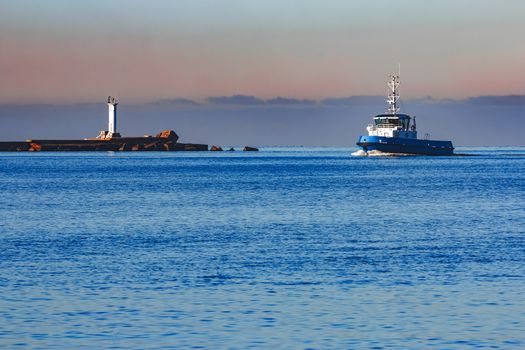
(286, 248)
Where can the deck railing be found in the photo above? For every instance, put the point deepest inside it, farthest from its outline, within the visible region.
(386, 126)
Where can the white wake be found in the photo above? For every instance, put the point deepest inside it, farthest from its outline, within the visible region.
(376, 153)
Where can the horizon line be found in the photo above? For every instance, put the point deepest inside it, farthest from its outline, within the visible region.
(246, 100)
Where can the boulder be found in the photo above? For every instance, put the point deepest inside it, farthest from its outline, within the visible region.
(215, 148)
(124, 147)
(35, 147)
(102, 135)
(250, 149)
(166, 146)
(168, 134)
(231, 149)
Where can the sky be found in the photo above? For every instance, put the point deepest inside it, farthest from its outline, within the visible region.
(220, 58)
(61, 51)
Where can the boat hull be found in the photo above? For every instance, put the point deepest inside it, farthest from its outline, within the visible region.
(405, 146)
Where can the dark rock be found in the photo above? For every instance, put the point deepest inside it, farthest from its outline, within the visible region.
(168, 134)
(215, 148)
(250, 149)
(34, 147)
(231, 150)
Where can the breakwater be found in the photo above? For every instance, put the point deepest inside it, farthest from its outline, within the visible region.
(164, 141)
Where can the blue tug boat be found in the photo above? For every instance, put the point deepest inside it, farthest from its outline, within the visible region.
(394, 133)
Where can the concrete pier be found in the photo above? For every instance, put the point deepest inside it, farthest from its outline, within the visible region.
(165, 141)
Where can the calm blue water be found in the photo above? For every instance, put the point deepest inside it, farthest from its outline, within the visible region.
(285, 248)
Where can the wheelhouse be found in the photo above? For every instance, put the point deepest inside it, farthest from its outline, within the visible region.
(392, 121)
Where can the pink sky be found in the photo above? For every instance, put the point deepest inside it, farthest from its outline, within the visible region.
(60, 52)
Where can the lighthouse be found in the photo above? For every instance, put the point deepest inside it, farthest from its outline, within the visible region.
(112, 121)
(112, 117)
(112, 112)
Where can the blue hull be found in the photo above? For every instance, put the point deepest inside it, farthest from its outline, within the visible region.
(405, 146)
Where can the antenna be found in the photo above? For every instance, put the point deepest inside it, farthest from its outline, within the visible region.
(393, 94)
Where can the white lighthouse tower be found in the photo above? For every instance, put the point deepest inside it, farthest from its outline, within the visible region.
(112, 117)
(112, 121)
(112, 112)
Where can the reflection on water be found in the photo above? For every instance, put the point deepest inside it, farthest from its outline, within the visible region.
(286, 248)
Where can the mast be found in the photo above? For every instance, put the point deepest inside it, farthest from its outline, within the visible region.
(393, 94)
